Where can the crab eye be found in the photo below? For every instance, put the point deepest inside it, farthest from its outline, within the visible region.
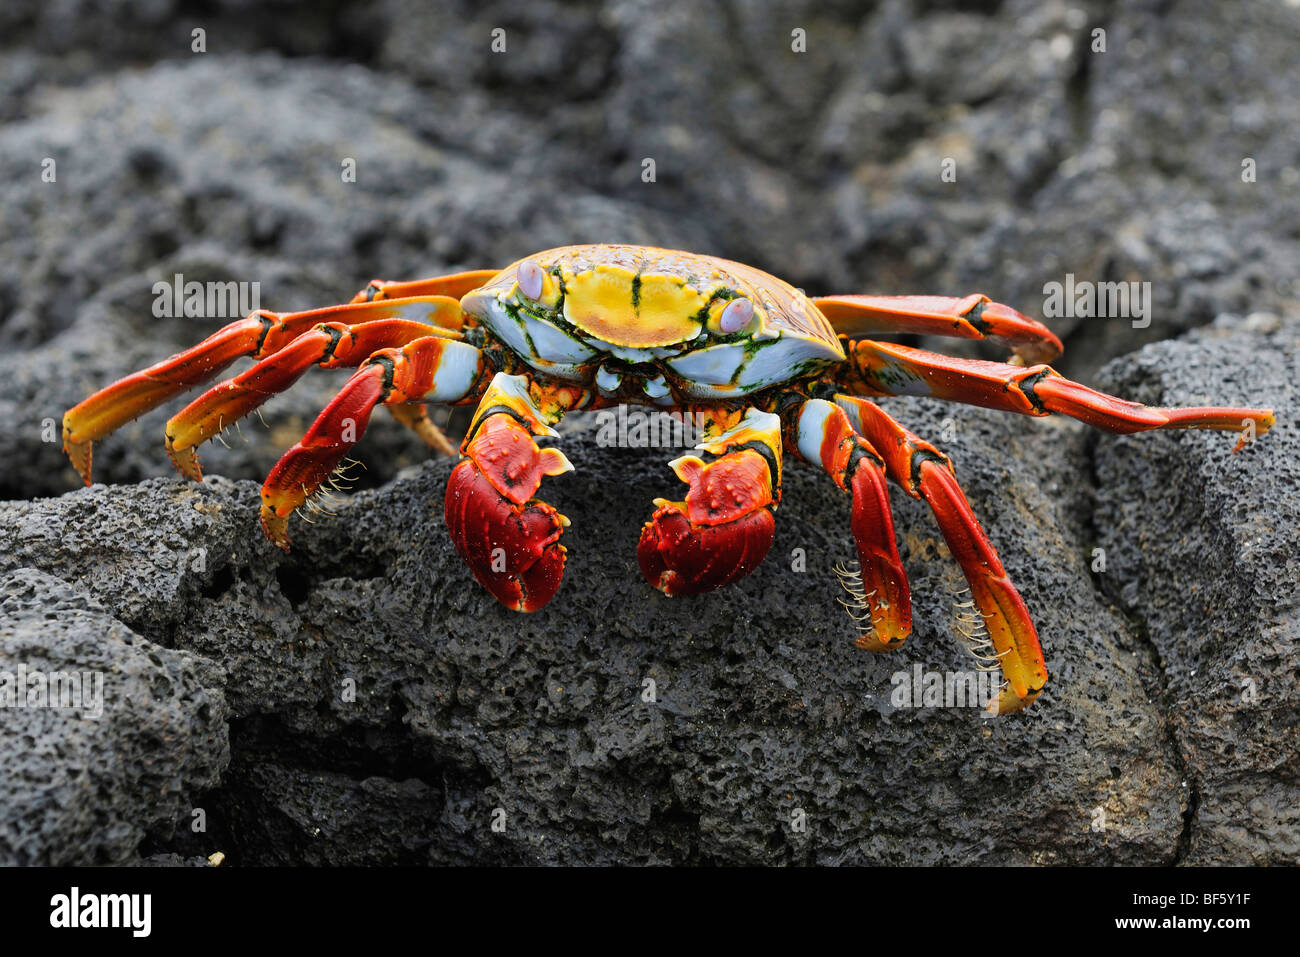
(530, 278)
(736, 315)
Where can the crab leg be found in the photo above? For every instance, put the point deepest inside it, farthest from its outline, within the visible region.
(329, 345)
(885, 368)
(1004, 622)
(257, 336)
(974, 317)
(821, 434)
(431, 369)
(509, 539)
(455, 285)
(416, 418)
(724, 528)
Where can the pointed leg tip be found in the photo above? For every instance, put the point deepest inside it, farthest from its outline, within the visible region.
(436, 439)
(276, 528)
(882, 639)
(1009, 702)
(80, 454)
(186, 462)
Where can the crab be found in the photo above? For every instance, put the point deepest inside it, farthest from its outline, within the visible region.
(768, 372)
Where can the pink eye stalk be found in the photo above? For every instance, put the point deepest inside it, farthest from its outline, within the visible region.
(736, 315)
(530, 279)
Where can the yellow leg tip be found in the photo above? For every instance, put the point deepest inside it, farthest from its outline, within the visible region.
(186, 461)
(276, 528)
(881, 641)
(80, 453)
(1009, 702)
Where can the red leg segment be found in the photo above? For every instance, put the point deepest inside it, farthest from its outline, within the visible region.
(822, 434)
(724, 528)
(431, 368)
(1004, 621)
(330, 345)
(884, 368)
(509, 539)
(974, 317)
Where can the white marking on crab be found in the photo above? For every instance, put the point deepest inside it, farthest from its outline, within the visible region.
(720, 365)
(553, 344)
(498, 321)
(773, 364)
(426, 313)
(456, 372)
(713, 365)
(853, 412)
(608, 382)
(656, 388)
(632, 354)
(562, 356)
(813, 419)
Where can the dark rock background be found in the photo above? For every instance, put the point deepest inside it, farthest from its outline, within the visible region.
(1170, 719)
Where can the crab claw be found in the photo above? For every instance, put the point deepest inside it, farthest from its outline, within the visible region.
(720, 533)
(510, 540)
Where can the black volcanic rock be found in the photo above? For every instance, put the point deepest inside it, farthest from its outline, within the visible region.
(381, 699)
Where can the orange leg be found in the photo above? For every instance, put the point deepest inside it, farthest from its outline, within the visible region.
(330, 345)
(430, 369)
(455, 286)
(822, 434)
(885, 368)
(974, 317)
(1003, 626)
(416, 418)
(257, 336)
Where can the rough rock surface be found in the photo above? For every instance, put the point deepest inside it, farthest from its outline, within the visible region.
(383, 707)
(1202, 551)
(378, 707)
(83, 785)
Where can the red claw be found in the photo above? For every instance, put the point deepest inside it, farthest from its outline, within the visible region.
(679, 558)
(510, 541)
(513, 550)
(720, 534)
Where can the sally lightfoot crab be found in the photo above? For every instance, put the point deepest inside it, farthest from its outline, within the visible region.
(766, 370)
